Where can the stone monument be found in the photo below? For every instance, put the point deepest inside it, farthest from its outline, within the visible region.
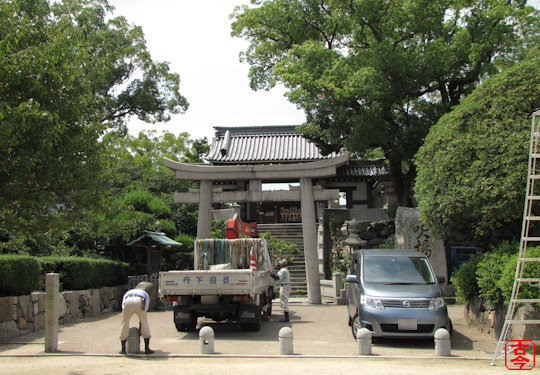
(412, 235)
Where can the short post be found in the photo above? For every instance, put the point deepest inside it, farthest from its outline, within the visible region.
(133, 344)
(337, 279)
(363, 341)
(206, 340)
(52, 283)
(286, 341)
(442, 343)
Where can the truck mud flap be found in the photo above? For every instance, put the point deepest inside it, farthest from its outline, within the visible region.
(182, 314)
(249, 314)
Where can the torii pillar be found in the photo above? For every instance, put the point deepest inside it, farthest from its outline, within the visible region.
(204, 220)
(309, 232)
(255, 174)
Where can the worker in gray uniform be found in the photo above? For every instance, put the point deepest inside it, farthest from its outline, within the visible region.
(135, 301)
(285, 290)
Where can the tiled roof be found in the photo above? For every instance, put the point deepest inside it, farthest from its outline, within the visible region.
(280, 144)
(262, 144)
(361, 168)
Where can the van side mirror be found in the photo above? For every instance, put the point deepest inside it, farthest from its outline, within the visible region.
(351, 279)
(441, 279)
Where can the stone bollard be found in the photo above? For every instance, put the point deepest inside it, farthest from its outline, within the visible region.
(133, 344)
(442, 342)
(52, 285)
(285, 341)
(363, 340)
(206, 340)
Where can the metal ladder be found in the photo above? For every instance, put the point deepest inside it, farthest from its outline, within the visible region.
(531, 216)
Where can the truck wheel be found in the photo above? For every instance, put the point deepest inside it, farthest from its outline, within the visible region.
(251, 326)
(269, 308)
(256, 326)
(192, 326)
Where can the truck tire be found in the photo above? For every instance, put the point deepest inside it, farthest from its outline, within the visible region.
(256, 326)
(188, 327)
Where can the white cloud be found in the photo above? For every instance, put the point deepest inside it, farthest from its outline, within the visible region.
(194, 37)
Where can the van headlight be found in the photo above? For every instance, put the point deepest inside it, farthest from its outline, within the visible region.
(374, 302)
(436, 303)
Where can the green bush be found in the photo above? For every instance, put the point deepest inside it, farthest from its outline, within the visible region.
(218, 228)
(277, 247)
(464, 280)
(85, 273)
(531, 270)
(19, 275)
(490, 269)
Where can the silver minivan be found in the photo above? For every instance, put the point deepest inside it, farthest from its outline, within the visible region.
(395, 293)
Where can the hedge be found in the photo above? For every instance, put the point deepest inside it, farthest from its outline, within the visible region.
(20, 274)
(491, 276)
(85, 273)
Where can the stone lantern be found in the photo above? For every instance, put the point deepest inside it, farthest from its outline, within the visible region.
(354, 242)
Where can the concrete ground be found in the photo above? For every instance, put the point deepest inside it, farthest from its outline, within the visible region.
(322, 342)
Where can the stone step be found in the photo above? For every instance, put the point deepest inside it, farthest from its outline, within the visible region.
(291, 233)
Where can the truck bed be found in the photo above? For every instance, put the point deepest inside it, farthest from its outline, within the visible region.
(212, 282)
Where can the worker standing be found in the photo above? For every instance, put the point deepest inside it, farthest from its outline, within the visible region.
(285, 291)
(135, 301)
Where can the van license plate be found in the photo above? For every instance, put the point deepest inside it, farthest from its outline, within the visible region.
(407, 324)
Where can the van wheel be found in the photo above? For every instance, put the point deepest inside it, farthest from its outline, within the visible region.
(355, 325)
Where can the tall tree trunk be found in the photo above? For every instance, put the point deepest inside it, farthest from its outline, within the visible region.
(401, 182)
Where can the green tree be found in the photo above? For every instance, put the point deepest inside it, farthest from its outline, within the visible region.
(137, 161)
(377, 74)
(472, 167)
(70, 73)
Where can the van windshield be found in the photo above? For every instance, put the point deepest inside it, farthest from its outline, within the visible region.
(397, 270)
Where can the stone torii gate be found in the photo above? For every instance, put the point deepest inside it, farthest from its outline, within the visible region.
(256, 174)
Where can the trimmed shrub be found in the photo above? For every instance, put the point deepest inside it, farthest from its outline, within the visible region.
(85, 273)
(490, 269)
(19, 275)
(464, 280)
(531, 270)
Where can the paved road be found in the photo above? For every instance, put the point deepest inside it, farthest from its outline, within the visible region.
(322, 342)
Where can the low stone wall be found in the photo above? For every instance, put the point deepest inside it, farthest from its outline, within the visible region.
(21, 315)
(334, 289)
(491, 320)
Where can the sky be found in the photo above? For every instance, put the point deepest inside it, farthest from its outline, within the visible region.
(194, 37)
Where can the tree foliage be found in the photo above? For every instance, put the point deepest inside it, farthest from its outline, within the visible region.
(137, 161)
(377, 74)
(472, 167)
(70, 73)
